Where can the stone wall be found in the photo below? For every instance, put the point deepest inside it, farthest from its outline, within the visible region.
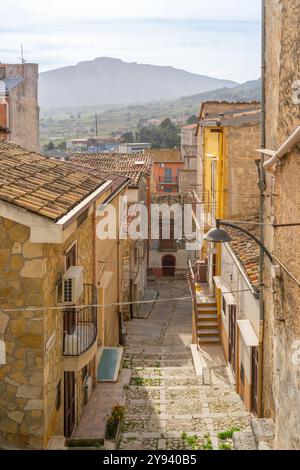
(241, 193)
(22, 377)
(33, 339)
(281, 394)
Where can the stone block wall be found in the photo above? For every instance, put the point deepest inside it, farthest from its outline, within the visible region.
(241, 177)
(29, 380)
(22, 377)
(281, 391)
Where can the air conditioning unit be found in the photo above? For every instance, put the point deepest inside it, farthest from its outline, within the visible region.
(72, 285)
(88, 387)
(162, 165)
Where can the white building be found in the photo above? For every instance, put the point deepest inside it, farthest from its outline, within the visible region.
(134, 147)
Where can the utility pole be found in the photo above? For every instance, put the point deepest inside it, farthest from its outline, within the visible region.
(96, 125)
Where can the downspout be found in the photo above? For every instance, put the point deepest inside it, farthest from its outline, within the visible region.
(262, 180)
(262, 188)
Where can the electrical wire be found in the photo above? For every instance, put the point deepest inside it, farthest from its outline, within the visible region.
(121, 304)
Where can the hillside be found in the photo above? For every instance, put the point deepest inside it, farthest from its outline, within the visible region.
(64, 123)
(112, 81)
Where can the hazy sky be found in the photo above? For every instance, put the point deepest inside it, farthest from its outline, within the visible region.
(220, 38)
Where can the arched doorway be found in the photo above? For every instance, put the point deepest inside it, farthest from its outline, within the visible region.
(168, 265)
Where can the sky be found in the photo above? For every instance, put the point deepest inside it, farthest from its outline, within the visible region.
(219, 38)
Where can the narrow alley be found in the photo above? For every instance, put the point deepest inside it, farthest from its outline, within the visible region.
(166, 403)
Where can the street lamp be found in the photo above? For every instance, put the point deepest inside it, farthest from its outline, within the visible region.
(217, 235)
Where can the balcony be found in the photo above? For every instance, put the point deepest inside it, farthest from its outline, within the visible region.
(168, 180)
(80, 325)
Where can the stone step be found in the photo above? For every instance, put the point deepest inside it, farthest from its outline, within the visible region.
(207, 324)
(208, 332)
(207, 316)
(209, 340)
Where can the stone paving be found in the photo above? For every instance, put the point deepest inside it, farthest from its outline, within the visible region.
(165, 398)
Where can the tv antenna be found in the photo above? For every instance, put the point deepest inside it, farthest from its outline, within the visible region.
(22, 59)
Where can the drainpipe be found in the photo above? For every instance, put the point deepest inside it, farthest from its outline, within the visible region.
(262, 180)
(262, 188)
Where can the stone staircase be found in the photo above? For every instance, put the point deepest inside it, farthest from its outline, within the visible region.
(207, 323)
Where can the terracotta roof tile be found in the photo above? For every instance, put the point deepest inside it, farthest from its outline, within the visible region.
(248, 253)
(166, 155)
(46, 186)
(128, 165)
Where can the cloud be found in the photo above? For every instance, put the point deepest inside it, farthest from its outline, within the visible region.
(222, 10)
(64, 35)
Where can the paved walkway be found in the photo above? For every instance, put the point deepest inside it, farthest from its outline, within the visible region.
(165, 398)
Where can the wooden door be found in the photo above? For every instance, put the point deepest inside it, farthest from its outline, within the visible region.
(69, 403)
(232, 337)
(255, 380)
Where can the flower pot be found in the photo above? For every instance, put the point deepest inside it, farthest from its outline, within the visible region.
(112, 444)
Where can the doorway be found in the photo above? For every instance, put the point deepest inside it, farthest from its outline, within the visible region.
(168, 265)
(69, 403)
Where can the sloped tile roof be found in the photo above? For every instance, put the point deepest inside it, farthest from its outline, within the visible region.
(248, 253)
(45, 186)
(166, 155)
(128, 165)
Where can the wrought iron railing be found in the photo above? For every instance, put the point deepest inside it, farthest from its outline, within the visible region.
(168, 180)
(80, 324)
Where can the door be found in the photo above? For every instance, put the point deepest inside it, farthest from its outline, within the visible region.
(168, 175)
(69, 403)
(232, 337)
(255, 380)
(168, 265)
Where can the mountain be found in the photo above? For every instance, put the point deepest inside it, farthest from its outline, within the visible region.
(112, 81)
(249, 91)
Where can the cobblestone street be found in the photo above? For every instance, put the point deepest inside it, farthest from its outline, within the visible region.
(166, 404)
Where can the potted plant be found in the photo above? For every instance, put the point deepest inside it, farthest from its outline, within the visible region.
(113, 428)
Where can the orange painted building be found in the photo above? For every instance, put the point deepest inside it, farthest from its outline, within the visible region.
(167, 164)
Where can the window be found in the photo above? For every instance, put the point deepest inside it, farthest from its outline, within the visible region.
(242, 374)
(170, 243)
(71, 256)
(82, 218)
(84, 373)
(224, 306)
(168, 175)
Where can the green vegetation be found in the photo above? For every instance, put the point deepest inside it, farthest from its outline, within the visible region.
(225, 446)
(117, 415)
(165, 135)
(139, 381)
(96, 443)
(224, 436)
(192, 442)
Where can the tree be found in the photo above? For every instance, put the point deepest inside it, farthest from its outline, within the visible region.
(62, 145)
(127, 138)
(51, 145)
(193, 119)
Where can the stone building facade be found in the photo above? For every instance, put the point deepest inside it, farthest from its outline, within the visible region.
(281, 387)
(47, 356)
(19, 111)
(138, 168)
